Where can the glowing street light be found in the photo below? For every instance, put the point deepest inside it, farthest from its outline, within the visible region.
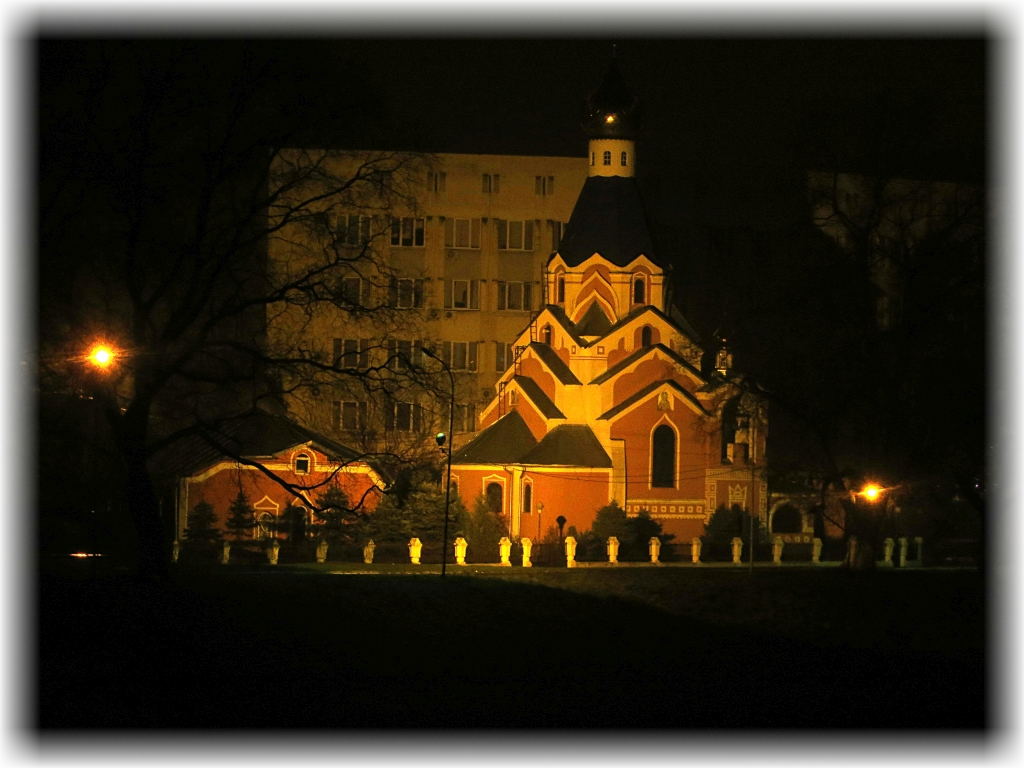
(871, 492)
(102, 356)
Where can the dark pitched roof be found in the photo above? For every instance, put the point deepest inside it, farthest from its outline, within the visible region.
(504, 442)
(257, 436)
(643, 351)
(594, 323)
(608, 219)
(538, 396)
(567, 324)
(554, 363)
(573, 445)
(652, 309)
(643, 393)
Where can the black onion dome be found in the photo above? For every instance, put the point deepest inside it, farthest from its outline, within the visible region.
(612, 110)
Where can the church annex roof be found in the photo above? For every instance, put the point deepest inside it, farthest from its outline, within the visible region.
(260, 435)
(573, 445)
(506, 441)
(539, 398)
(640, 395)
(594, 322)
(643, 352)
(608, 219)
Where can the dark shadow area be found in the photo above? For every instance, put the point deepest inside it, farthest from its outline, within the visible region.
(291, 650)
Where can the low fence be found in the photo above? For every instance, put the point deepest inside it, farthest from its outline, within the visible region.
(904, 552)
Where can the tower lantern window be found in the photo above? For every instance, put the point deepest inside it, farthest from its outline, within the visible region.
(607, 157)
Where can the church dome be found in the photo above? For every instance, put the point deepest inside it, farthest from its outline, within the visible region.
(612, 111)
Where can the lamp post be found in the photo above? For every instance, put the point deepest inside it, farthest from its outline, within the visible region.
(101, 357)
(440, 437)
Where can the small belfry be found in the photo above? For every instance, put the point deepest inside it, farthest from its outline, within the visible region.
(605, 399)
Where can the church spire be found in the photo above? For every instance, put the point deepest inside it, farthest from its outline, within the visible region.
(611, 120)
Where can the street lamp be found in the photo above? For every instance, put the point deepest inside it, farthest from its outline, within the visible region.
(101, 357)
(440, 437)
(871, 492)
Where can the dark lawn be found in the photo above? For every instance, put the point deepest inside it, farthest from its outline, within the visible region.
(630, 647)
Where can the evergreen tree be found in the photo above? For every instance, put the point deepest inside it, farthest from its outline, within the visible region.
(202, 525)
(641, 529)
(482, 528)
(335, 521)
(420, 514)
(611, 520)
(727, 523)
(241, 518)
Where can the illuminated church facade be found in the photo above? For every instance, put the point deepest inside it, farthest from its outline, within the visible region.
(605, 399)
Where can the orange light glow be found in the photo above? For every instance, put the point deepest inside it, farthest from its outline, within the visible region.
(609, 118)
(871, 492)
(102, 356)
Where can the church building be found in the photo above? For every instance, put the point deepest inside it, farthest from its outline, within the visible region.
(605, 399)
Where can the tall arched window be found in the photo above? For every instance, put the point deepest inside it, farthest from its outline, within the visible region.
(645, 336)
(528, 498)
(607, 158)
(494, 501)
(561, 289)
(663, 457)
(623, 159)
(547, 335)
(638, 291)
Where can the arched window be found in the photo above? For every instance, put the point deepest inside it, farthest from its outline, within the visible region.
(561, 289)
(645, 336)
(638, 291)
(623, 159)
(663, 457)
(547, 335)
(787, 519)
(494, 501)
(528, 498)
(607, 158)
(302, 464)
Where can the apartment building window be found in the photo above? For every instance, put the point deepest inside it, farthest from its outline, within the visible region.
(352, 353)
(503, 356)
(544, 185)
(517, 296)
(459, 355)
(350, 415)
(491, 183)
(462, 233)
(408, 232)
(557, 233)
(607, 157)
(464, 418)
(404, 353)
(462, 294)
(403, 417)
(514, 235)
(406, 293)
(437, 181)
(354, 292)
(353, 229)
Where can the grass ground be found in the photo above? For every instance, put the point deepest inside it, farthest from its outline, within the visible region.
(491, 647)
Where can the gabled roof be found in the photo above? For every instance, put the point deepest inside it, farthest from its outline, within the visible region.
(259, 435)
(554, 363)
(639, 311)
(643, 393)
(573, 445)
(567, 325)
(538, 397)
(643, 352)
(504, 442)
(608, 219)
(594, 323)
